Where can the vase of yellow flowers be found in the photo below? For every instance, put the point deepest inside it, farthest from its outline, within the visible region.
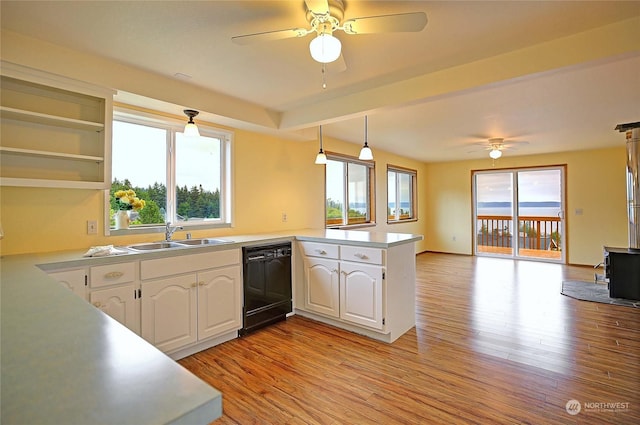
(126, 200)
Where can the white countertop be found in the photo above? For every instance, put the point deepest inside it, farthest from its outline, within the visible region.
(64, 361)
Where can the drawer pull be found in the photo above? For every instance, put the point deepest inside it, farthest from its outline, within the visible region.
(361, 256)
(321, 251)
(113, 275)
(201, 283)
(97, 304)
(194, 285)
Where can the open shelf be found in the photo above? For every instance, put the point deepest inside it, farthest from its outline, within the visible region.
(47, 154)
(55, 132)
(46, 119)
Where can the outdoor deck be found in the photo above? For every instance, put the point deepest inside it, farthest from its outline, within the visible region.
(538, 237)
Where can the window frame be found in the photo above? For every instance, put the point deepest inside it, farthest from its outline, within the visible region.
(371, 192)
(413, 174)
(172, 126)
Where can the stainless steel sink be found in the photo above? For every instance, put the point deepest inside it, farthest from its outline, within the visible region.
(203, 241)
(153, 246)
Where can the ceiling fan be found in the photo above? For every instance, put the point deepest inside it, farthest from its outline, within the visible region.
(496, 145)
(326, 16)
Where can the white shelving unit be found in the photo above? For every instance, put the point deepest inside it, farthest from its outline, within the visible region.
(56, 132)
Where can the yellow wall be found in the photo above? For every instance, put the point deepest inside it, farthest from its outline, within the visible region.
(595, 183)
(272, 176)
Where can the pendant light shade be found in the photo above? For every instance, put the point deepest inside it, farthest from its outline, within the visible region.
(191, 129)
(325, 48)
(365, 152)
(321, 158)
(495, 153)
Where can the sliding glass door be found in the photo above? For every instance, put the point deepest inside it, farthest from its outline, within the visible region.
(519, 213)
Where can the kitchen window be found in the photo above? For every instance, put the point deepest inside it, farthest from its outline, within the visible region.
(401, 194)
(349, 189)
(183, 180)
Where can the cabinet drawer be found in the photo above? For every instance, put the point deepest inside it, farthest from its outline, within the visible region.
(112, 274)
(151, 269)
(361, 254)
(324, 250)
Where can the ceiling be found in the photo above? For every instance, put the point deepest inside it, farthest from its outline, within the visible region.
(534, 71)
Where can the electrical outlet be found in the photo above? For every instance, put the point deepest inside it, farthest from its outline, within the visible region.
(284, 217)
(92, 227)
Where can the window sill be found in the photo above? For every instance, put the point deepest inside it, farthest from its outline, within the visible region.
(142, 230)
(409, 220)
(352, 226)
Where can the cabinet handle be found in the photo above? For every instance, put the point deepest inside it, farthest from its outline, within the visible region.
(194, 284)
(335, 270)
(201, 283)
(321, 251)
(97, 304)
(361, 256)
(113, 275)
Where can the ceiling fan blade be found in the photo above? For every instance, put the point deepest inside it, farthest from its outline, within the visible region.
(402, 22)
(337, 66)
(269, 36)
(317, 6)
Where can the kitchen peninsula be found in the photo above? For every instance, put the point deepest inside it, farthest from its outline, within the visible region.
(64, 361)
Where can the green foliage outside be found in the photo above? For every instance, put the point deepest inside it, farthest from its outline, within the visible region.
(192, 203)
(334, 211)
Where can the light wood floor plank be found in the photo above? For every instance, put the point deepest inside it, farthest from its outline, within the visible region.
(495, 342)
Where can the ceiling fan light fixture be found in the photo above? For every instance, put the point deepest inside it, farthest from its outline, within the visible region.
(321, 158)
(191, 129)
(325, 48)
(495, 153)
(365, 153)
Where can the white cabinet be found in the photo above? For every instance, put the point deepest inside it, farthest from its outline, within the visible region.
(344, 282)
(364, 289)
(119, 303)
(219, 301)
(73, 280)
(114, 289)
(169, 309)
(361, 294)
(56, 132)
(322, 286)
(182, 311)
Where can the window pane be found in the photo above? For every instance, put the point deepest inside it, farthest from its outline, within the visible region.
(405, 197)
(391, 195)
(335, 192)
(139, 163)
(358, 193)
(198, 178)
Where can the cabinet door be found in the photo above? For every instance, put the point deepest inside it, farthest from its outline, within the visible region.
(322, 286)
(169, 308)
(219, 301)
(119, 303)
(361, 292)
(73, 280)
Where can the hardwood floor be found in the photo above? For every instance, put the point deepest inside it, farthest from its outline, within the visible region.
(495, 342)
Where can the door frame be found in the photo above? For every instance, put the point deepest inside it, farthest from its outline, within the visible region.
(515, 213)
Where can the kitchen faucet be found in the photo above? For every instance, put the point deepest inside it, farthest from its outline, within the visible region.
(169, 231)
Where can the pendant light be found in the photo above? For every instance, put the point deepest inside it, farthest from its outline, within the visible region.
(495, 153)
(365, 152)
(191, 129)
(321, 158)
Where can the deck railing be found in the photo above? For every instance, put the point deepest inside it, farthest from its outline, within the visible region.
(534, 233)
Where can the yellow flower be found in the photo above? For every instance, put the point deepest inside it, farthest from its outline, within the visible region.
(120, 194)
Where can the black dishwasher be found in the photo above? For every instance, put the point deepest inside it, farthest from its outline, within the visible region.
(267, 285)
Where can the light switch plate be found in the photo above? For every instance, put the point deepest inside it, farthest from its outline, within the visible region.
(92, 227)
